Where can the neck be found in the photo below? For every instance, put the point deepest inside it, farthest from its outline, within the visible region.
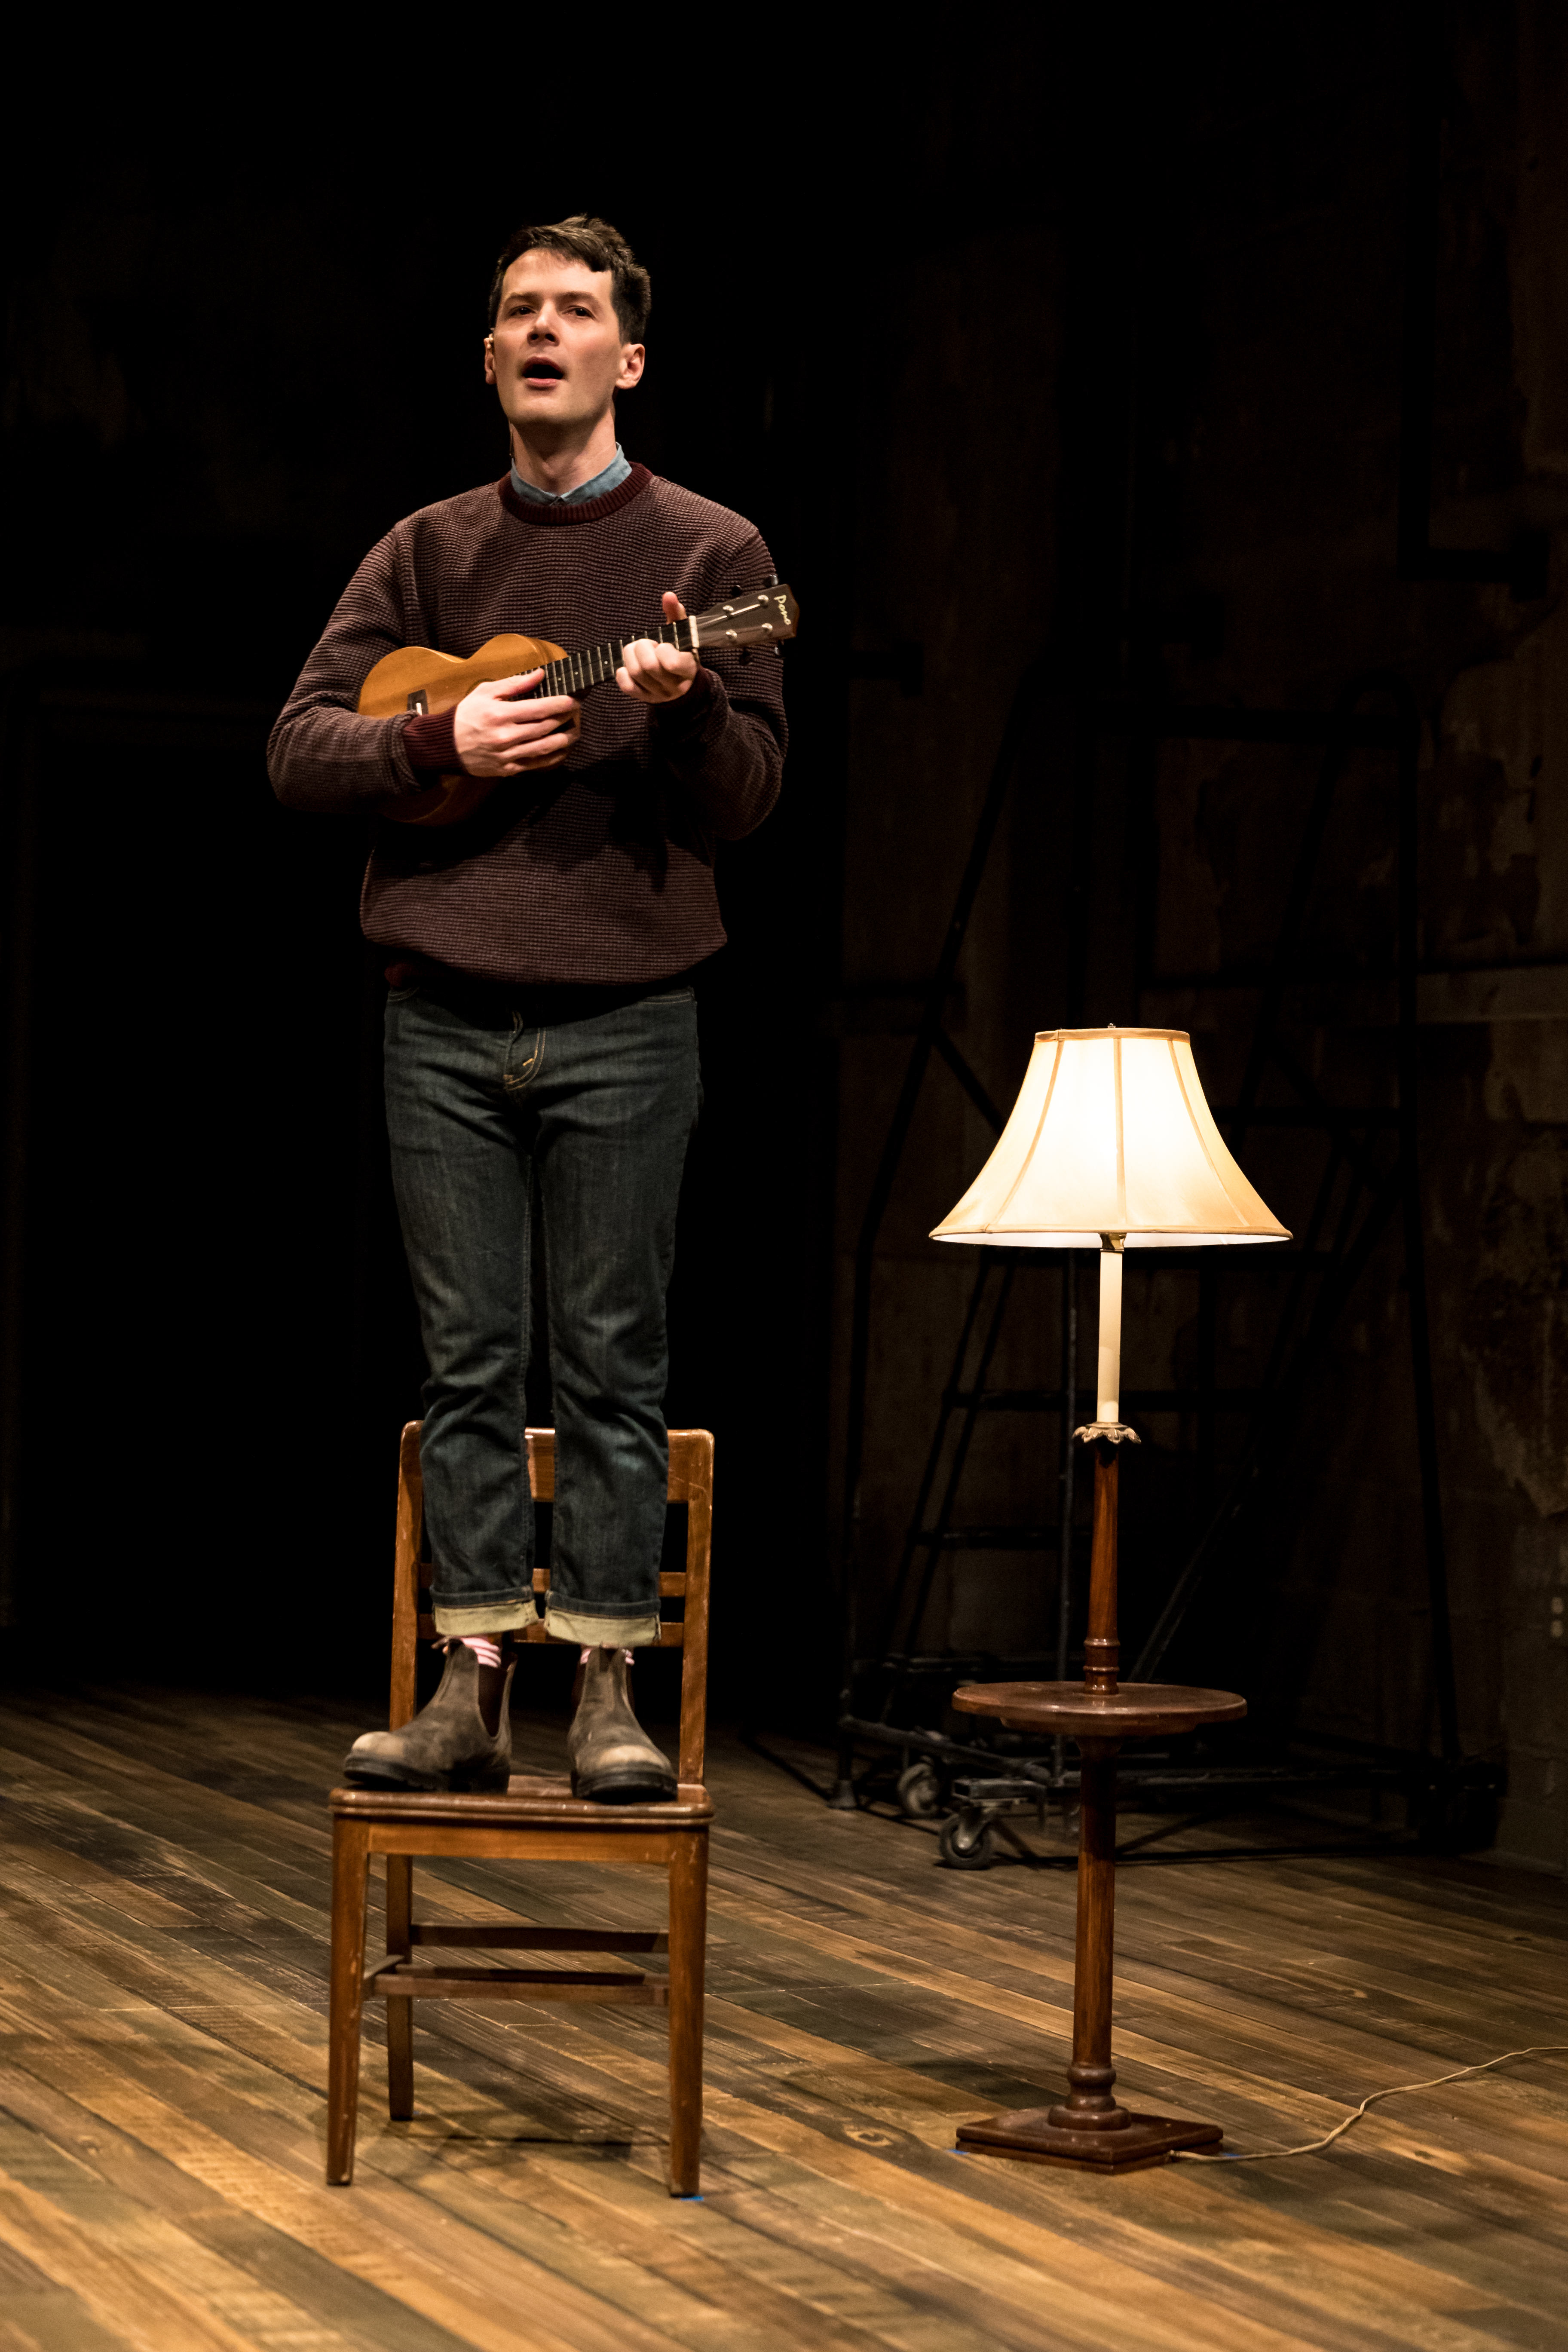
(556, 458)
(596, 665)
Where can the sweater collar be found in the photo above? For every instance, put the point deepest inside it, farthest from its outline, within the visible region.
(609, 477)
(558, 512)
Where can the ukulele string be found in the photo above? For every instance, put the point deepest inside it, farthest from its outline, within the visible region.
(608, 655)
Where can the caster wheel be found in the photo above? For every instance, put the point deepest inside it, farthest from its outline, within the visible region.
(919, 1790)
(1454, 1820)
(966, 1843)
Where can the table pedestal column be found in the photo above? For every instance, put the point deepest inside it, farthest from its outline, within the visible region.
(1090, 2129)
(1091, 2104)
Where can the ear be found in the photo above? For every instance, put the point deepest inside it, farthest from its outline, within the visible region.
(490, 361)
(632, 358)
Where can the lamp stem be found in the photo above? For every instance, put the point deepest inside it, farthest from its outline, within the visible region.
(1102, 1647)
(1108, 1407)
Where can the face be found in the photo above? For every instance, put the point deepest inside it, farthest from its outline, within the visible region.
(555, 355)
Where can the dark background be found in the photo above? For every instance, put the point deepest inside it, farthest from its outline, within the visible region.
(1085, 341)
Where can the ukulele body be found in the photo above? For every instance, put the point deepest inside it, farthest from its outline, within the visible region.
(415, 678)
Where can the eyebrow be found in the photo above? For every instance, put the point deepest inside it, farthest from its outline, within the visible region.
(575, 294)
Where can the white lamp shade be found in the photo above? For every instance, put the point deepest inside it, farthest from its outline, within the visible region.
(1110, 1134)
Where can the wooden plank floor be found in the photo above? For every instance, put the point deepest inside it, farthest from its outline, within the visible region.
(162, 2067)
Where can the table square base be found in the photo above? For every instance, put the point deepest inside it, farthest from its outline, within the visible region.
(1029, 2134)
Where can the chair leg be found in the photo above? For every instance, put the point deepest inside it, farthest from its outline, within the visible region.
(399, 2013)
(350, 1861)
(688, 1961)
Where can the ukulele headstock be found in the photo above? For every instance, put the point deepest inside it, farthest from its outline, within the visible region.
(758, 616)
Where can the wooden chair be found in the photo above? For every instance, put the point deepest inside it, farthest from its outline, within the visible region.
(537, 1820)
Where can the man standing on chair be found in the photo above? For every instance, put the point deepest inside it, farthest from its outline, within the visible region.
(540, 1022)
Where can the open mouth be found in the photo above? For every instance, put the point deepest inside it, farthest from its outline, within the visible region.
(542, 371)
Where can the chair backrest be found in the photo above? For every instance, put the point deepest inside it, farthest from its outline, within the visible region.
(691, 1482)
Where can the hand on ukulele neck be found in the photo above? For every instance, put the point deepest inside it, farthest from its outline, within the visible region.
(652, 672)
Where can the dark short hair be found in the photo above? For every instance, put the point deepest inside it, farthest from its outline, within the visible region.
(598, 246)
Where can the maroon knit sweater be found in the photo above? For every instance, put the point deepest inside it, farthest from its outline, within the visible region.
(598, 872)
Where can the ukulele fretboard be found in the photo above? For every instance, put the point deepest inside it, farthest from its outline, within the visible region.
(575, 673)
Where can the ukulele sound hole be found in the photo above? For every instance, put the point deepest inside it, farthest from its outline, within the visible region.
(418, 700)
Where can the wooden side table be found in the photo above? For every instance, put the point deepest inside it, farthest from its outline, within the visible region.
(1089, 2130)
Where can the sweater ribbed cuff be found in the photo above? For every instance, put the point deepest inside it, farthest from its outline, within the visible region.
(688, 714)
(430, 739)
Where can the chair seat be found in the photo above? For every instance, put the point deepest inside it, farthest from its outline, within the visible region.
(532, 1800)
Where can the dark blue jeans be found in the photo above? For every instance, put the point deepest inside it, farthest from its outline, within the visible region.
(485, 1090)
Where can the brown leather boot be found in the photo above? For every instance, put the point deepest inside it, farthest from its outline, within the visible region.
(613, 1761)
(446, 1745)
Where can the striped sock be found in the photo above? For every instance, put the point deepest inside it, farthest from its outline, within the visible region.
(586, 1655)
(485, 1647)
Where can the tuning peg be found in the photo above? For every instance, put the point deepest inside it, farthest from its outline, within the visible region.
(772, 581)
(779, 651)
(745, 653)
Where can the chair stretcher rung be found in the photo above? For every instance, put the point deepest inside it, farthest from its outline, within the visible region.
(399, 1980)
(671, 1581)
(671, 1634)
(519, 1935)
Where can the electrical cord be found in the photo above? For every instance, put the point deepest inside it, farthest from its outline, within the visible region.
(1310, 2147)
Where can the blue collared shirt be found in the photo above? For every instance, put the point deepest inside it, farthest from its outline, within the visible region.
(614, 475)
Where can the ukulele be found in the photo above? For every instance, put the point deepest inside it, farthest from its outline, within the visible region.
(415, 679)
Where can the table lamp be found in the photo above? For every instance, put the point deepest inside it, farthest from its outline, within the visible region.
(1111, 1145)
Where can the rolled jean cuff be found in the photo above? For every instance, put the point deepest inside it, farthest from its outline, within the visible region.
(486, 1617)
(601, 1632)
